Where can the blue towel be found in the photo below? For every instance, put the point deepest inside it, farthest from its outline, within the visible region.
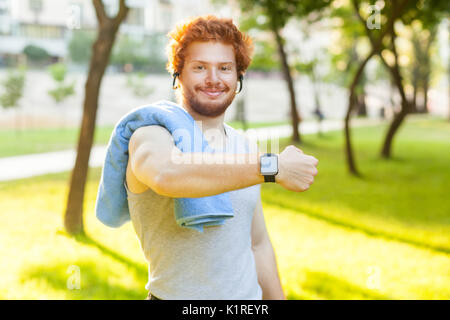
(112, 205)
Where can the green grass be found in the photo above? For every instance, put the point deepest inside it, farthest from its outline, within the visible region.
(383, 236)
(28, 141)
(407, 197)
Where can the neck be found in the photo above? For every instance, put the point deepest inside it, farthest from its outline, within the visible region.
(207, 123)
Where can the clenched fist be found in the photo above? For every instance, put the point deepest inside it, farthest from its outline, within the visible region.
(296, 170)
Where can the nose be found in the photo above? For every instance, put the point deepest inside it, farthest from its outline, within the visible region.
(212, 77)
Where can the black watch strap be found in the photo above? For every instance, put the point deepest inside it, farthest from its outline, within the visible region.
(270, 178)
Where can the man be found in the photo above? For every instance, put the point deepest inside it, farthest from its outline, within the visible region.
(207, 56)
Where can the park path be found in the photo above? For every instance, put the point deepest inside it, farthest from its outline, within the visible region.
(25, 166)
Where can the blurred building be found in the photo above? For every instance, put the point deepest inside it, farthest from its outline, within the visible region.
(49, 23)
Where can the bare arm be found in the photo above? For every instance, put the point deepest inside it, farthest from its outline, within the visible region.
(158, 163)
(266, 265)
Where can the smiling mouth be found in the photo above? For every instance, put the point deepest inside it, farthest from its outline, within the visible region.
(212, 94)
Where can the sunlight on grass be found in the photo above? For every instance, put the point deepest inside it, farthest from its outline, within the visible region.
(32, 229)
(385, 236)
(320, 261)
(403, 198)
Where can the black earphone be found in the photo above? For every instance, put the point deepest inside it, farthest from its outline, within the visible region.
(241, 78)
(176, 74)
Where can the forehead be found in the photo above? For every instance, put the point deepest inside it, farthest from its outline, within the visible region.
(213, 52)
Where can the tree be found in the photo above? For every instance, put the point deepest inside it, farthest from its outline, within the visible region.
(107, 30)
(377, 42)
(404, 12)
(135, 81)
(265, 58)
(142, 54)
(13, 89)
(80, 46)
(35, 54)
(58, 72)
(347, 53)
(277, 14)
(420, 69)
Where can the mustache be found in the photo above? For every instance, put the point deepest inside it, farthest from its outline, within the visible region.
(215, 88)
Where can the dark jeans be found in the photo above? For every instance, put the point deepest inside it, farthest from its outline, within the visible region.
(152, 297)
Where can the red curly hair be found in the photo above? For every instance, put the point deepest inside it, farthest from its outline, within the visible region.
(208, 28)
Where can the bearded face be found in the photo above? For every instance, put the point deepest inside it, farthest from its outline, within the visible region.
(208, 101)
(209, 78)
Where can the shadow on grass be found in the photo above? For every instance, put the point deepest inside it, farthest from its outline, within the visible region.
(333, 159)
(139, 271)
(94, 281)
(279, 202)
(328, 287)
(95, 278)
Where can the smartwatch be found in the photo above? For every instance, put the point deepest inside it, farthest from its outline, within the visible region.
(269, 166)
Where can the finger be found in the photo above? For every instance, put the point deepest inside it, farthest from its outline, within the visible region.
(315, 172)
(314, 160)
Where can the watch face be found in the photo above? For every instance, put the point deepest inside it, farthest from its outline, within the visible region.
(269, 165)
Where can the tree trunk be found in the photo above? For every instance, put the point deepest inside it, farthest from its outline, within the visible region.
(351, 105)
(287, 76)
(405, 105)
(396, 122)
(397, 10)
(361, 102)
(425, 96)
(427, 67)
(414, 97)
(108, 27)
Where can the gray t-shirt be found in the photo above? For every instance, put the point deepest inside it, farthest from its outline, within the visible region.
(185, 264)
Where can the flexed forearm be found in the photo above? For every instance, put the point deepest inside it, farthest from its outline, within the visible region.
(194, 175)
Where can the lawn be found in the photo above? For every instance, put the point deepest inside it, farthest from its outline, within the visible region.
(27, 141)
(383, 236)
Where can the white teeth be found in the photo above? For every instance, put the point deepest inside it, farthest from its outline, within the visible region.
(214, 93)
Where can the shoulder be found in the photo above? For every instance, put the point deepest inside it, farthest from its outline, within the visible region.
(152, 130)
(154, 135)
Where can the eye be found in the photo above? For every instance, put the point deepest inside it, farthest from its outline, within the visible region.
(226, 68)
(199, 67)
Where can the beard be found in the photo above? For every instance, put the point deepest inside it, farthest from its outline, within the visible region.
(208, 109)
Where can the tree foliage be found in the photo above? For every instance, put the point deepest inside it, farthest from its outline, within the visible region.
(62, 90)
(13, 88)
(272, 15)
(145, 54)
(136, 82)
(36, 54)
(80, 46)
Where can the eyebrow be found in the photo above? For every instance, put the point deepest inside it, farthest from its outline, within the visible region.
(206, 62)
